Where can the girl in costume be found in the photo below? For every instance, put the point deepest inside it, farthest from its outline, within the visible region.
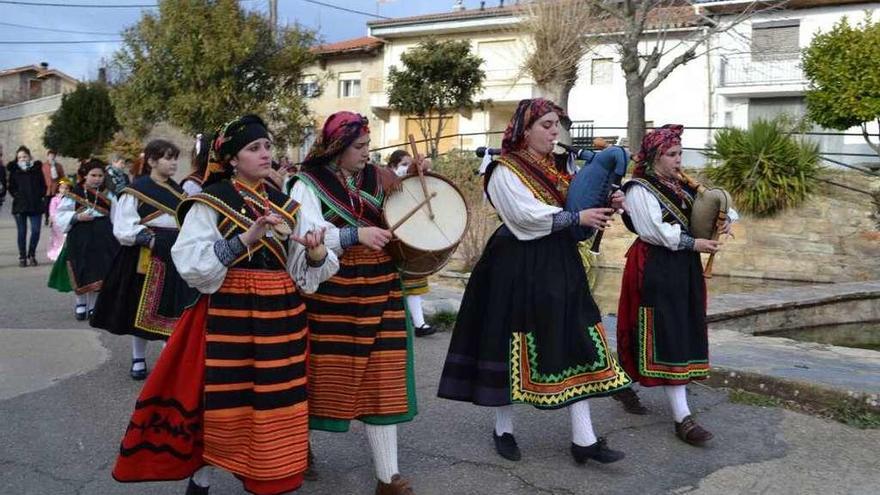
(229, 389)
(662, 338)
(144, 295)
(56, 237)
(528, 330)
(192, 183)
(90, 247)
(360, 366)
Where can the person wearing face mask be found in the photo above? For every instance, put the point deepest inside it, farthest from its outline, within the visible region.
(28, 190)
(143, 294)
(90, 245)
(229, 389)
(662, 338)
(528, 330)
(360, 366)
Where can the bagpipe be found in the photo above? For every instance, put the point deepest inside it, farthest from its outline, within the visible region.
(708, 215)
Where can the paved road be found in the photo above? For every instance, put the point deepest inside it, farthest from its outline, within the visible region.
(65, 398)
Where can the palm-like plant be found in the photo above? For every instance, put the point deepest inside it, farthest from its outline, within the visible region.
(765, 168)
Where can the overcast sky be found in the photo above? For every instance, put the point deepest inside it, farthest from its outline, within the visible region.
(82, 60)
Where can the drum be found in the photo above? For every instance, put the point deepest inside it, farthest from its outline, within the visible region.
(422, 246)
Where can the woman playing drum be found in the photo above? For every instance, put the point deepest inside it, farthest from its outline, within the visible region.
(360, 366)
(528, 330)
(661, 328)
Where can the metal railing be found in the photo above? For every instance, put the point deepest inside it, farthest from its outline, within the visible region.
(758, 69)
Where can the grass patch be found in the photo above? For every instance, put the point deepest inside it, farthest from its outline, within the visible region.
(739, 396)
(849, 412)
(443, 320)
(856, 416)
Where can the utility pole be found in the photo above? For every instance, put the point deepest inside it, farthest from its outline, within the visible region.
(273, 16)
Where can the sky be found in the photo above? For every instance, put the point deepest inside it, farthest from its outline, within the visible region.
(31, 23)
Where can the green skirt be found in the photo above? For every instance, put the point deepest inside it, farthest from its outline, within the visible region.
(59, 277)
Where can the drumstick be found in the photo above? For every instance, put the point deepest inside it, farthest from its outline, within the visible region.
(415, 150)
(426, 201)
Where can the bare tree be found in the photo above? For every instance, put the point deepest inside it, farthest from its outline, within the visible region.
(556, 44)
(647, 32)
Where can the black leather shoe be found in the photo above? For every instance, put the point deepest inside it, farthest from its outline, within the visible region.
(598, 452)
(630, 401)
(506, 446)
(193, 489)
(22, 262)
(424, 330)
(140, 375)
(32, 261)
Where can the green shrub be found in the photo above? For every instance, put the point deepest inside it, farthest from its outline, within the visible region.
(765, 168)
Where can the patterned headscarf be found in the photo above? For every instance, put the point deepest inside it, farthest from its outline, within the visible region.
(339, 131)
(527, 112)
(654, 144)
(231, 137)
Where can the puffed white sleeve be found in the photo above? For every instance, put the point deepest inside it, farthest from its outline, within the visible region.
(310, 214)
(306, 276)
(65, 213)
(522, 213)
(194, 254)
(126, 221)
(191, 187)
(647, 218)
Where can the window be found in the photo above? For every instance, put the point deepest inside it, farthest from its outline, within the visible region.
(600, 71)
(775, 40)
(349, 84)
(308, 87)
(501, 59)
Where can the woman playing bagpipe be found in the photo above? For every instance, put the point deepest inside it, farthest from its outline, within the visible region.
(144, 295)
(360, 362)
(528, 330)
(662, 338)
(90, 245)
(229, 389)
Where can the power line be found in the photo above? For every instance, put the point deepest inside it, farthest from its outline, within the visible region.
(56, 30)
(65, 42)
(344, 9)
(83, 5)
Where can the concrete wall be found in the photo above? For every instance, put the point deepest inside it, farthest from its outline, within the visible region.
(831, 238)
(24, 124)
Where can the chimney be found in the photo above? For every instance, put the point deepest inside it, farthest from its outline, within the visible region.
(102, 75)
(459, 6)
(501, 4)
(44, 65)
(483, 5)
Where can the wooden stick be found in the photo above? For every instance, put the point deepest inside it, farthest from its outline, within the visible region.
(415, 151)
(426, 201)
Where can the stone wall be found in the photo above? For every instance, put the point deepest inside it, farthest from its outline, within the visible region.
(833, 237)
(24, 124)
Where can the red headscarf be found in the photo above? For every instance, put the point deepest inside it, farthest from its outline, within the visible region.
(654, 144)
(527, 112)
(339, 131)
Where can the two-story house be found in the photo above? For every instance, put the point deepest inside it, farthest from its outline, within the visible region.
(31, 82)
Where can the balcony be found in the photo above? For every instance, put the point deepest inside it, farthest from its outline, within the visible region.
(761, 69)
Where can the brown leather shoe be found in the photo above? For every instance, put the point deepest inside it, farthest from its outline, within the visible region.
(690, 432)
(630, 401)
(398, 486)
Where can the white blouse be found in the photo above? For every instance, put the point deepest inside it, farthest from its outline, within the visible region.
(66, 212)
(310, 211)
(191, 187)
(527, 217)
(127, 223)
(194, 256)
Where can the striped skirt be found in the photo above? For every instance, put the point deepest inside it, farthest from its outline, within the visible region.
(256, 414)
(360, 362)
(414, 286)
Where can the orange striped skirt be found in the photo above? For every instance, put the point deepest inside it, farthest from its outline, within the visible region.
(358, 340)
(256, 411)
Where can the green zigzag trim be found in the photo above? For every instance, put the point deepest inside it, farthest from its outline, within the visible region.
(601, 360)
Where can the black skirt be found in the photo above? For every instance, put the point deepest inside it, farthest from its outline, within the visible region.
(143, 293)
(528, 330)
(91, 248)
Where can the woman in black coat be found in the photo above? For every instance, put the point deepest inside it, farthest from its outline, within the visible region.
(27, 188)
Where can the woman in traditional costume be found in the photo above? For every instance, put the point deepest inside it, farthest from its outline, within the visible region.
(143, 294)
(360, 365)
(229, 389)
(90, 245)
(662, 338)
(401, 162)
(528, 330)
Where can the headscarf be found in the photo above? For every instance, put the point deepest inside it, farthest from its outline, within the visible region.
(527, 112)
(654, 144)
(339, 131)
(229, 140)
